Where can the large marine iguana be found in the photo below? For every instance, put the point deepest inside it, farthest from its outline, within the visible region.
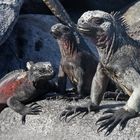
(76, 64)
(119, 61)
(21, 87)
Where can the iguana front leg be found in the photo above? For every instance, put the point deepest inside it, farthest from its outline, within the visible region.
(130, 110)
(62, 81)
(15, 104)
(99, 84)
(77, 82)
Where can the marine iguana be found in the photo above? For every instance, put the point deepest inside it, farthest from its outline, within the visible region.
(58, 10)
(76, 64)
(119, 61)
(21, 87)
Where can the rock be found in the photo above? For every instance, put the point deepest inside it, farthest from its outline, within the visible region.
(47, 126)
(9, 11)
(30, 41)
(131, 14)
(132, 17)
(134, 31)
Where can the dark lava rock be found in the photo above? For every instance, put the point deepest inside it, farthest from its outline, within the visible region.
(9, 12)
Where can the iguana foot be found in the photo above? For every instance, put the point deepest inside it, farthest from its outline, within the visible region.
(116, 117)
(116, 95)
(33, 109)
(77, 110)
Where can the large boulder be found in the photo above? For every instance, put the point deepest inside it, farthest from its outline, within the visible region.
(9, 12)
(132, 17)
(132, 13)
(30, 41)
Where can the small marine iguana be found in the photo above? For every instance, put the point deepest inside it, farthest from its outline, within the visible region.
(58, 10)
(119, 61)
(21, 87)
(78, 65)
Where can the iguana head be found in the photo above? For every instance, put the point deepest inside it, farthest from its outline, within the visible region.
(40, 71)
(60, 31)
(65, 37)
(101, 26)
(96, 24)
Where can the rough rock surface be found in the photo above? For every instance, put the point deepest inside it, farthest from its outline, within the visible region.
(47, 125)
(132, 18)
(9, 12)
(131, 14)
(30, 41)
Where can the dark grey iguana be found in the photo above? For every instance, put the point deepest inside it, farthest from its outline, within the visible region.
(58, 10)
(119, 60)
(77, 65)
(20, 87)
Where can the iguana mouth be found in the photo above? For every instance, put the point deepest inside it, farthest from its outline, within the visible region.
(82, 29)
(44, 76)
(87, 31)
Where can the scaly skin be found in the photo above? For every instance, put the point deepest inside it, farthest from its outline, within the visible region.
(77, 65)
(119, 61)
(20, 87)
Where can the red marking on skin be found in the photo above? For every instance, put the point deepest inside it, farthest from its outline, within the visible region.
(8, 89)
(102, 39)
(66, 46)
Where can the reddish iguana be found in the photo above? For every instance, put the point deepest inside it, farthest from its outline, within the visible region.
(20, 87)
(79, 66)
(119, 61)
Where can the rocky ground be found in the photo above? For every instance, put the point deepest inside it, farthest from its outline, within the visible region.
(47, 126)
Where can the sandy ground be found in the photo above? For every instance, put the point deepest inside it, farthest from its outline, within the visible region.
(47, 126)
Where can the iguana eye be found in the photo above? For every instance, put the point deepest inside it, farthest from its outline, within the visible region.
(66, 29)
(43, 70)
(98, 20)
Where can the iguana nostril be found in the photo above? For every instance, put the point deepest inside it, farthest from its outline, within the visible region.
(82, 21)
